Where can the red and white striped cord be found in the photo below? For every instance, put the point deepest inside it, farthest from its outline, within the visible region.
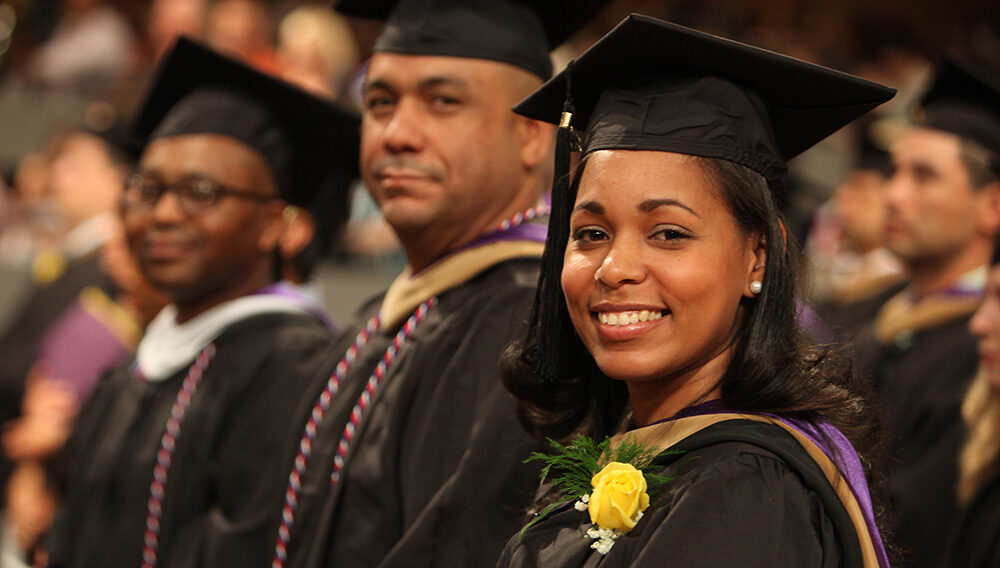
(523, 217)
(322, 405)
(164, 457)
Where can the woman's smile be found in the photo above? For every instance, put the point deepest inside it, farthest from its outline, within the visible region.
(624, 322)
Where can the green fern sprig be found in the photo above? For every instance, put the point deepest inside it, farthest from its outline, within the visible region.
(575, 464)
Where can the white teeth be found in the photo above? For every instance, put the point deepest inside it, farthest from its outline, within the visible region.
(626, 318)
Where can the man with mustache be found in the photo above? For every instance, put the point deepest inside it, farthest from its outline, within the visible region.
(176, 460)
(410, 451)
(943, 215)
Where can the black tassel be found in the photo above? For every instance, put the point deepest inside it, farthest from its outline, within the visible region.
(551, 319)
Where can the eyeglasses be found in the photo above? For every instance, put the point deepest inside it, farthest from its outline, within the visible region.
(194, 195)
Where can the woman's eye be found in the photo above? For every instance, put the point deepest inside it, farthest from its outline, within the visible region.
(670, 234)
(589, 234)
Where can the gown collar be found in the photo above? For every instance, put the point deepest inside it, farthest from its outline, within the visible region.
(410, 290)
(167, 347)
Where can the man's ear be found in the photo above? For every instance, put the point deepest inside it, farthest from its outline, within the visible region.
(274, 226)
(300, 228)
(537, 141)
(988, 212)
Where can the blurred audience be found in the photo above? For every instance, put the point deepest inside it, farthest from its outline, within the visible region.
(943, 214)
(84, 179)
(316, 50)
(96, 333)
(91, 50)
(243, 29)
(169, 19)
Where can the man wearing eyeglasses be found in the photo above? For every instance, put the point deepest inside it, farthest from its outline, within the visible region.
(190, 233)
(178, 459)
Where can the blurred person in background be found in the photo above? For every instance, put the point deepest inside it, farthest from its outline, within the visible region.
(177, 458)
(243, 29)
(90, 337)
(83, 181)
(316, 50)
(863, 273)
(31, 225)
(976, 539)
(91, 50)
(943, 213)
(169, 19)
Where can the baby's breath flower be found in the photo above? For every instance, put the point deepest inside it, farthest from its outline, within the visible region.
(603, 546)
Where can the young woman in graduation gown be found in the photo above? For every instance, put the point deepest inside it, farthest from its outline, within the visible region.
(666, 309)
(975, 541)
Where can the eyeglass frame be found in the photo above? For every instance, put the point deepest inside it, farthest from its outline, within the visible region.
(221, 191)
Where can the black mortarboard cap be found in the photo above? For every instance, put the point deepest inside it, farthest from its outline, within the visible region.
(518, 32)
(305, 140)
(965, 101)
(653, 85)
(120, 143)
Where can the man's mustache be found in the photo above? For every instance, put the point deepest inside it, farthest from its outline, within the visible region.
(409, 165)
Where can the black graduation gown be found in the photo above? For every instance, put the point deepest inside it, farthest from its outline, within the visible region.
(921, 381)
(731, 503)
(435, 476)
(976, 540)
(20, 342)
(227, 479)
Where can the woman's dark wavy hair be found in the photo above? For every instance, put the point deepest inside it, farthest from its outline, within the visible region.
(774, 369)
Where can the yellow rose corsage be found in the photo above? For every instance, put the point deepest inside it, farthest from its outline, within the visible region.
(611, 484)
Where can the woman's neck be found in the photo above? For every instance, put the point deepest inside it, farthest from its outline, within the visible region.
(659, 399)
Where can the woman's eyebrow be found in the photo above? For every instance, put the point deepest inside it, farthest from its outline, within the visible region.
(649, 205)
(590, 207)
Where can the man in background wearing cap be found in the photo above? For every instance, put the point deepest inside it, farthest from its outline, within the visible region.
(412, 453)
(176, 460)
(864, 273)
(943, 215)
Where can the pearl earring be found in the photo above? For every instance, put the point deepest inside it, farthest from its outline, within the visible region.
(756, 286)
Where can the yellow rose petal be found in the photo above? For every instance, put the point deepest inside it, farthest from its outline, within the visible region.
(619, 495)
